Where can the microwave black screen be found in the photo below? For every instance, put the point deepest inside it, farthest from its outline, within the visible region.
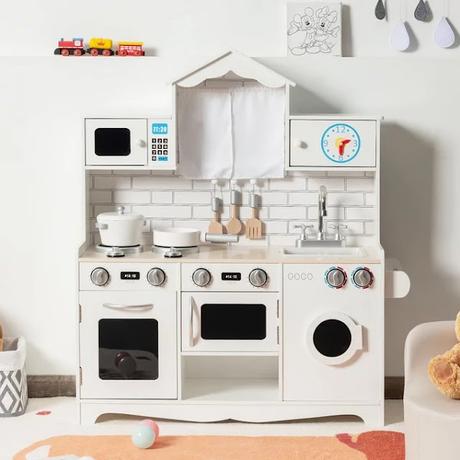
(233, 321)
(112, 142)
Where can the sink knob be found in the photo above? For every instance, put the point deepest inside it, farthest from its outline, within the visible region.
(362, 278)
(336, 277)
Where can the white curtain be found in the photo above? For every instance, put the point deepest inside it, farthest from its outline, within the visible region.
(231, 132)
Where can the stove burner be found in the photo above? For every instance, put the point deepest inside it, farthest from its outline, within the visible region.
(118, 251)
(175, 252)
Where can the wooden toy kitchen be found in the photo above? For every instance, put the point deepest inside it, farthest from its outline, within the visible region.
(280, 321)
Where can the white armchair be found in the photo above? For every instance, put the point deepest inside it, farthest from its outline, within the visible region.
(432, 421)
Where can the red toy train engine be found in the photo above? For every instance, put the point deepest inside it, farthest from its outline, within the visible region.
(73, 47)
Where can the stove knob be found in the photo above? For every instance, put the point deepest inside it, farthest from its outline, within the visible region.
(336, 277)
(100, 276)
(258, 277)
(362, 278)
(156, 276)
(201, 277)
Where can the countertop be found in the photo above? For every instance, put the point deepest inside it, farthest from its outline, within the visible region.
(241, 254)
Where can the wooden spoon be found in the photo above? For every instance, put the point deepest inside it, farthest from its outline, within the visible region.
(234, 225)
(215, 226)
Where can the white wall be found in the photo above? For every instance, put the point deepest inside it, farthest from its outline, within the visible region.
(43, 100)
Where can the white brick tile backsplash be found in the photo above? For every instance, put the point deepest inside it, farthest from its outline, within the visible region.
(274, 198)
(332, 183)
(139, 172)
(275, 226)
(360, 213)
(365, 184)
(345, 174)
(131, 197)
(288, 183)
(345, 199)
(370, 199)
(369, 228)
(97, 197)
(354, 228)
(303, 198)
(161, 183)
(154, 223)
(201, 225)
(112, 182)
(333, 213)
(192, 197)
(246, 212)
(162, 197)
(287, 212)
(99, 209)
(205, 212)
(168, 212)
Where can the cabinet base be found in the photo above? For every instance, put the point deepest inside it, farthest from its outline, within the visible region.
(90, 411)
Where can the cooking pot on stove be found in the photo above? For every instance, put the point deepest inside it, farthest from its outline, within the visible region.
(120, 228)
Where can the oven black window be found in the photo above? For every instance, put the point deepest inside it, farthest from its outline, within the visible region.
(112, 142)
(233, 321)
(128, 349)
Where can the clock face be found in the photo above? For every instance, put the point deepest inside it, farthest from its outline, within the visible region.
(340, 143)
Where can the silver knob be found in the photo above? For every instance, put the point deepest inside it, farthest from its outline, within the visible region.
(336, 277)
(258, 277)
(363, 278)
(100, 276)
(201, 277)
(156, 276)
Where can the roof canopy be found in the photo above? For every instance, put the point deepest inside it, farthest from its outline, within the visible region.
(238, 64)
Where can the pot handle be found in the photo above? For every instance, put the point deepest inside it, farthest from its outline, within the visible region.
(101, 226)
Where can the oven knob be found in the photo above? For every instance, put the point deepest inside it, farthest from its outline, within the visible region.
(362, 278)
(258, 277)
(201, 277)
(336, 277)
(100, 276)
(156, 276)
(126, 364)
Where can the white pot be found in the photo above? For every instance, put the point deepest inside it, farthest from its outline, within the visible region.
(120, 228)
(176, 237)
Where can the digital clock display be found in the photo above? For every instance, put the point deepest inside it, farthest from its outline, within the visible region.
(130, 275)
(231, 276)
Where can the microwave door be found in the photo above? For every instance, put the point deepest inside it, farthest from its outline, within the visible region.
(116, 142)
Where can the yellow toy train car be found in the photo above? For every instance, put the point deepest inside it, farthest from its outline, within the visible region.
(97, 46)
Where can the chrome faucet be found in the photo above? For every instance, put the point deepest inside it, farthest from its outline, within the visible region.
(322, 212)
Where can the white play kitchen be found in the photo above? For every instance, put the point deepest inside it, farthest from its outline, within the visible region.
(232, 267)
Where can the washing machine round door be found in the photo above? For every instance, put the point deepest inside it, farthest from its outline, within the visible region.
(334, 338)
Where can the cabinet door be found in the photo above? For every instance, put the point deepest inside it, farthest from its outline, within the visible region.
(332, 143)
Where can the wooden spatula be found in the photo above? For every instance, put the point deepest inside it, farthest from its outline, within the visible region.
(215, 226)
(234, 225)
(254, 226)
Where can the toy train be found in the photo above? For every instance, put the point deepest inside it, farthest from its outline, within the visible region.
(97, 47)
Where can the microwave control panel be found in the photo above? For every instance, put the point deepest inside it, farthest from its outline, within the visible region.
(161, 144)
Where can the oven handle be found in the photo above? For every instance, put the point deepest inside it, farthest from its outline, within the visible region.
(118, 306)
(192, 323)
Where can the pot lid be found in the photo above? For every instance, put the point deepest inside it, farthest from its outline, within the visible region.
(119, 215)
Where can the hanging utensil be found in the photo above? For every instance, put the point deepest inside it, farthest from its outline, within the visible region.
(444, 35)
(215, 226)
(422, 12)
(234, 225)
(399, 36)
(380, 10)
(254, 224)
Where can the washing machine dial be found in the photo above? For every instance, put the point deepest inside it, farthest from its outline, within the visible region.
(258, 277)
(100, 276)
(156, 276)
(336, 277)
(201, 277)
(363, 278)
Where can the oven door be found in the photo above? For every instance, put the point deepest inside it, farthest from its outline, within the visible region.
(230, 322)
(128, 345)
(116, 142)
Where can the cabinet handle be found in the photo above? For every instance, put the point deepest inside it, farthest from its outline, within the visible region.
(192, 324)
(117, 306)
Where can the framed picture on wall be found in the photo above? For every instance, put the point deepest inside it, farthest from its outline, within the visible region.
(314, 28)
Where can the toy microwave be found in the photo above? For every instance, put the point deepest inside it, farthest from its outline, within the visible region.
(130, 142)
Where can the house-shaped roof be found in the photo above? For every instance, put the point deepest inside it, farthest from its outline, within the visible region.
(238, 64)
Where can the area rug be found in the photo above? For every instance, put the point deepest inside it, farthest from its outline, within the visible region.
(372, 445)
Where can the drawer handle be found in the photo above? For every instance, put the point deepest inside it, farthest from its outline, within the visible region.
(119, 306)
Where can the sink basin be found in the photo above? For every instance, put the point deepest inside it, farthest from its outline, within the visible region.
(325, 252)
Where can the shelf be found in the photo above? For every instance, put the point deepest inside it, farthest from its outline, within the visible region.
(248, 390)
(230, 353)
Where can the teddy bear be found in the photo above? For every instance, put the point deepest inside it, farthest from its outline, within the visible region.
(444, 370)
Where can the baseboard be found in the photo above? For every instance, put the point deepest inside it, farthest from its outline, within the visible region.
(49, 386)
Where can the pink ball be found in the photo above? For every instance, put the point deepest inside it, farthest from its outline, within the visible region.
(153, 426)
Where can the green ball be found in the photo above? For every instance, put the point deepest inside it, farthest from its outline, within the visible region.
(144, 437)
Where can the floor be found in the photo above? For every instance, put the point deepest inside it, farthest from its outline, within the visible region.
(17, 433)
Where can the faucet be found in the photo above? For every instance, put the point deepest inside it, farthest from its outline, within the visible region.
(322, 212)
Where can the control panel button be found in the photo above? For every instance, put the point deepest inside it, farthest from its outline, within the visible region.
(100, 276)
(362, 278)
(336, 277)
(258, 277)
(156, 276)
(201, 277)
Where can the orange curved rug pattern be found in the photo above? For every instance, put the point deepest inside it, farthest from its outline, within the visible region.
(373, 445)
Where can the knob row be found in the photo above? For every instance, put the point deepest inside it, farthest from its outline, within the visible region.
(100, 276)
(257, 277)
(362, 277)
